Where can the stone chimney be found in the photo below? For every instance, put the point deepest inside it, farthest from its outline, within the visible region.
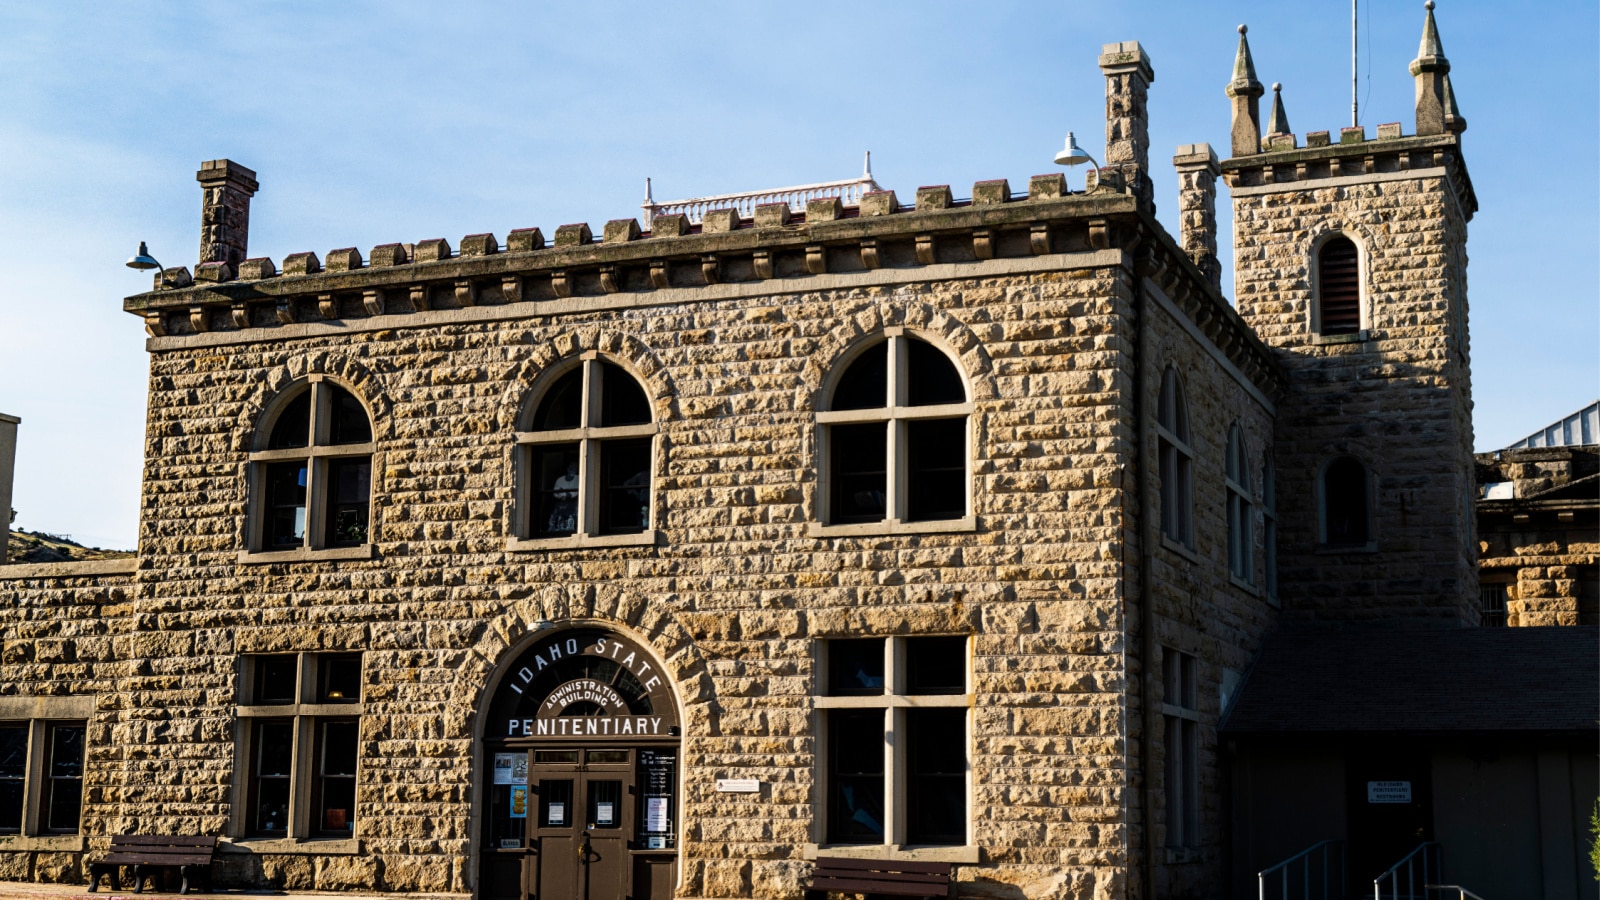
(1432, 72)
(1245, 91)
(8, 463)
(225, 211)
(1197, 208)
(1128, 78)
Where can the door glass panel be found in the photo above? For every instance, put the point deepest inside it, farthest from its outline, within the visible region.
(555, 803)
(605, 804)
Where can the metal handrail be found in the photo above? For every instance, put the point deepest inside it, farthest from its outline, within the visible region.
(1428, 851)
(1305, 878)
(1463, 893)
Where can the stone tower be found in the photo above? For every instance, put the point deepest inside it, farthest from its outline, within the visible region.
(1350, 262)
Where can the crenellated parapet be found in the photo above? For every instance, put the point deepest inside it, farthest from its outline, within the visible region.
(1284, 162)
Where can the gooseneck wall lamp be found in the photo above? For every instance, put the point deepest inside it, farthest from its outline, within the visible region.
(143, 261)
(1070, 155)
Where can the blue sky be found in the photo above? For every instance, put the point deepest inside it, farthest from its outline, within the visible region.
(374, 122)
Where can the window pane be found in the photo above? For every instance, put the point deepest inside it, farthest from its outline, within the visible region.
(555, 803)
(272, 805)
(605, 804)
(349, 500)
(339, 679)
(274, 677)
(624, 485)
(932, 378)
(936, 665)
(1345, 503)
(937, 457)
(66, 778)
(274, 748)
(562, 405)
(66, 751)
(855, 776)
(292, 428)
(936, 751)
(350, 424)
(865, 384)
(622, 401)
(338, 754)
(857, 470)
(554, 500)
(855, 667)
(285, 524)
(336, 783)
(13, 767)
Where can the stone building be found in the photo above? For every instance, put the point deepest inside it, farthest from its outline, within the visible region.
(1539, 525)
(660, 562)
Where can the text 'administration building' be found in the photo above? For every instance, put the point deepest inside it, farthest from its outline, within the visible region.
(658, 564)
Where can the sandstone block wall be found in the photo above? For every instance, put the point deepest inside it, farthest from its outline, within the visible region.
(734, 595)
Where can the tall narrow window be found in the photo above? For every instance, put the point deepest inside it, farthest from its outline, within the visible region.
(1345, 510)
(64, 786)
(587, 455)
(896, 756)
(1241, 516)
(301, 745)
(894, 436)
(1181, 715)
(313, 467)
(1339, 287)
(1177, 462)
(13, 774)
(1269, 516)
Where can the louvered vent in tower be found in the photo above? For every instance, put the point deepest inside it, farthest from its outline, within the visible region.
(1339, 286)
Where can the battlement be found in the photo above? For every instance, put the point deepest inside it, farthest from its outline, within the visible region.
(1282, 162)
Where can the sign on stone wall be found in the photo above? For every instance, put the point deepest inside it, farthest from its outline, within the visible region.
(587, 684)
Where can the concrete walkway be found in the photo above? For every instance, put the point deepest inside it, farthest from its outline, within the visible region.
(17, 890)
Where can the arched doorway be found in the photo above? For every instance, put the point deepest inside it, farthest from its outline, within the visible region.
(579, 784)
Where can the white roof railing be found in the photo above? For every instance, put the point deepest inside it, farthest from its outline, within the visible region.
(848, 191)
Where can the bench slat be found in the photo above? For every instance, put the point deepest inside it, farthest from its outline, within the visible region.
(138, 859)
(884, 865)
(880, 887)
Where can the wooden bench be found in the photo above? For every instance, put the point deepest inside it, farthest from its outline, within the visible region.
(151, 856)
(880, 876)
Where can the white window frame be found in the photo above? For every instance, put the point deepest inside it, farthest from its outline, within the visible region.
(895, 417)
(1175, 455)
(1181, 716)
(318, 454)
(588, 436)
(1241, 512)
(304, 714)
(896, 768)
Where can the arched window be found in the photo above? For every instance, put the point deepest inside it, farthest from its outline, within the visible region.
(587, 454)
(1338, 287)
(1269, 517)
(313, 471)
(1346, 513)
(894, 436)
(1177, 462)
(1241, 533)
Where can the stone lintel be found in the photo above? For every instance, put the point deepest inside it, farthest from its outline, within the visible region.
(219, 172)
(1126, 56)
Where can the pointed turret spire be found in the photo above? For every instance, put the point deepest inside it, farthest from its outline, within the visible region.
(1432, 72)
(1454, 121)
(1278, 122)
(1245, 91)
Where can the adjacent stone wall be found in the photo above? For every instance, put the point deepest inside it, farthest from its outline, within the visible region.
(1397, 396)
(1543, 542)
(64, 641)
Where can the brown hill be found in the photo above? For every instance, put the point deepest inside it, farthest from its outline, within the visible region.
(38, 547)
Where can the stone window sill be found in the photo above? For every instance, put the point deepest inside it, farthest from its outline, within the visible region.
(892, 527)
(1241, 584)
(292, 846)
(967, 854)
(1180, 549)
(1179, 856)
(1358, 337)
(584, 542)
(44, 843)
(303, 554)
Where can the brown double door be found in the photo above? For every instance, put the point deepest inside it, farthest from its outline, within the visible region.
(580, 817)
